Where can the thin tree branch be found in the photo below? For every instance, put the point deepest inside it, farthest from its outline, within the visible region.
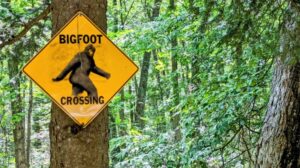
(26, 28)
(126, 16)
(235, 157)
(247, 148)
(227, 143)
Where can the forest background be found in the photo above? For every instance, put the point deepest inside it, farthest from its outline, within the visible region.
(200, 97)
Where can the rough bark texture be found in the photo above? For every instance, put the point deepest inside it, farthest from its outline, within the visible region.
(16, 109)
(279, 145)
(72, 146)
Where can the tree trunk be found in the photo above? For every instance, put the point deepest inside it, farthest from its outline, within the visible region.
(122, 126)
(28, 143)
(72, 146)
(131, 105)
(158, 77)
(16, 108)
(6, 147)
(162, 125)
(141, 92)
(279, 145)
(142, 89)
(175, 116)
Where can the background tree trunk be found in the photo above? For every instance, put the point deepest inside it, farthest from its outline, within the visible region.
(16, 109)
(142, 88)
(70, 145)
(279, 144)
(28, 141)
(175, 116)
(122, 126)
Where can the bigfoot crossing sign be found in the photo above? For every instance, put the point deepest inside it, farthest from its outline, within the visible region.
(80, 69)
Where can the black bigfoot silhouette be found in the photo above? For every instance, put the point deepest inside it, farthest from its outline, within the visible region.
(81, 65)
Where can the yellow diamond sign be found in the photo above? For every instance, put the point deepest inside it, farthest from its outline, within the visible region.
(81, 69)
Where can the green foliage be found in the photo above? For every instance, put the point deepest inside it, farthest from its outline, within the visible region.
(13, 85)
(221, 115)
(225, 51)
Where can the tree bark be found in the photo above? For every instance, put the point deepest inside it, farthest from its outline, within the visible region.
(279, 145)
(72, 146)
(16, 104)
(162, 125)
(122, 126)
(131, 105)
(158, 77)
(141, 92)
(175, 116)
(16, 108)
(28, 143)
(142, 89)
